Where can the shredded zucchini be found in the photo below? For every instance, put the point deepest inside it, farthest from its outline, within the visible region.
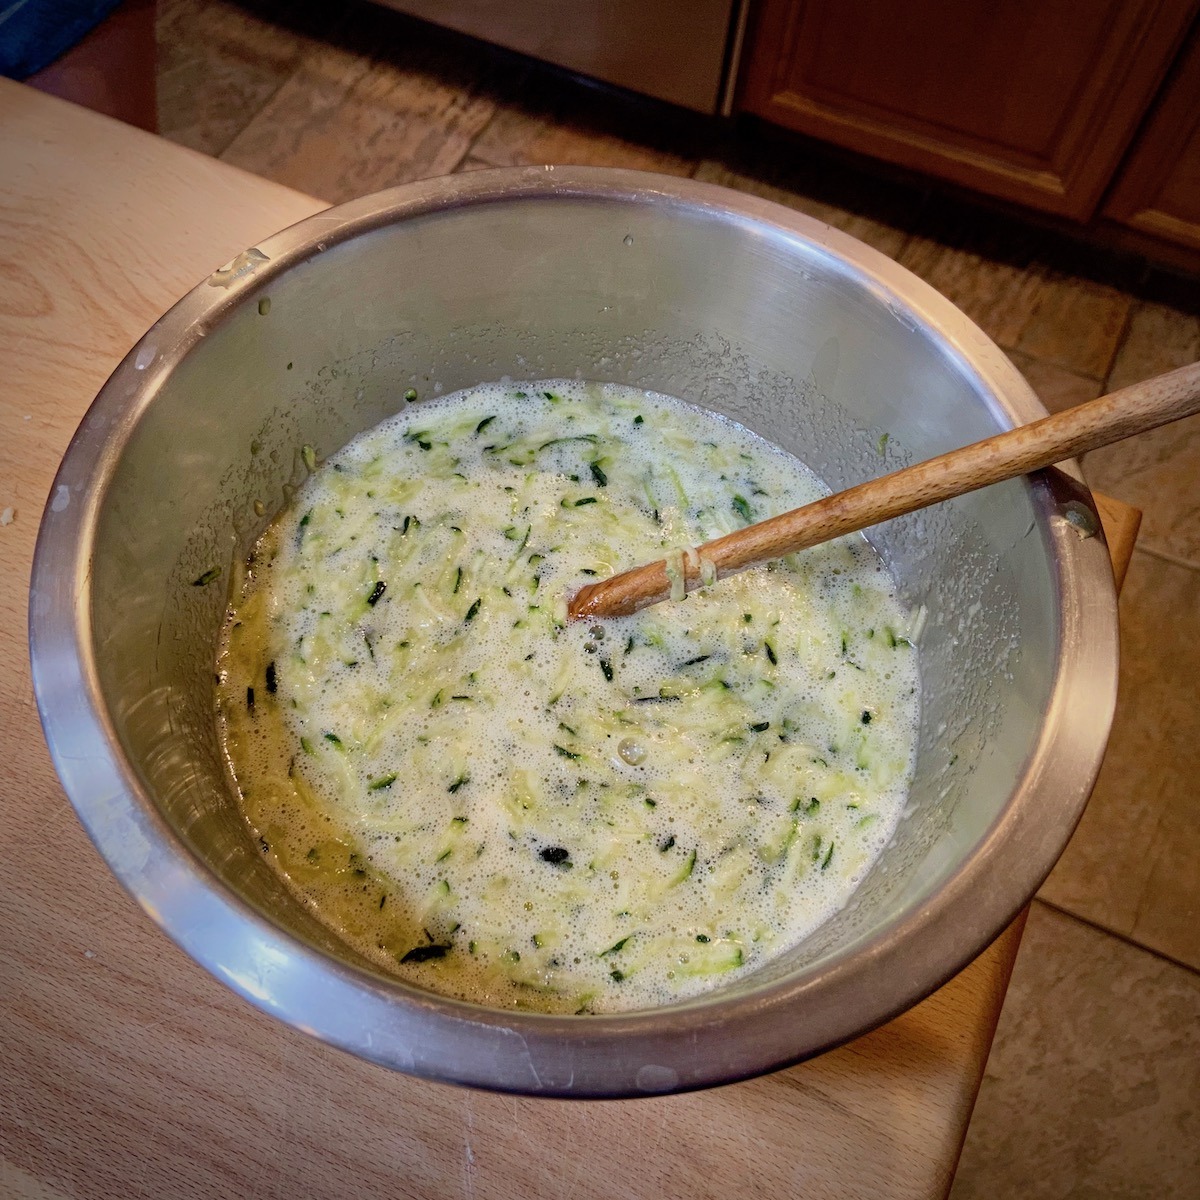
(502, 806)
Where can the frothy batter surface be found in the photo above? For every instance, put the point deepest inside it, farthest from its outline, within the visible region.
(581, 818)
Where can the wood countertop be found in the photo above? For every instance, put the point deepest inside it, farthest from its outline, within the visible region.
(127, 1071)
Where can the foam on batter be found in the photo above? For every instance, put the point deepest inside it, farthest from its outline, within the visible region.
(579, 818)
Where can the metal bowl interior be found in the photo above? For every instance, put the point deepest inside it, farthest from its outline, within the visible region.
(801, 333)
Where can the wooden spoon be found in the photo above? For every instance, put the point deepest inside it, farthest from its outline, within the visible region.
(1110, 418)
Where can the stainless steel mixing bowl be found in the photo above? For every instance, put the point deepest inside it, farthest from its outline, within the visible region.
(805, 335)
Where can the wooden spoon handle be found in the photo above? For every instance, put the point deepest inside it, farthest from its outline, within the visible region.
(1110, 418)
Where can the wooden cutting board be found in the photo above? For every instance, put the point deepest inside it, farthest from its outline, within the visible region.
(125, 1070)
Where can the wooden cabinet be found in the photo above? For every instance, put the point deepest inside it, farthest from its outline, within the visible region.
(1030, 100)
(1158, 190)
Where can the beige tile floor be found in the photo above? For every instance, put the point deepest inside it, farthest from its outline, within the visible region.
(1093, 1085)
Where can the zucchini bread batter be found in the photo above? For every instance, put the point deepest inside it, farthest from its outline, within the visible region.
(499, 806)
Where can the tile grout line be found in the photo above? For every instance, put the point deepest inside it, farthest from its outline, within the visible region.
(258, 111)
(216, 153)
(1120, 937)
(1166, 556)
(1144, 890)
(1126, 326)
(470, 150)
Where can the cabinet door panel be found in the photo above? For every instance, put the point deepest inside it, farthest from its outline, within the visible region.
(1030, 100)
(1158, 190)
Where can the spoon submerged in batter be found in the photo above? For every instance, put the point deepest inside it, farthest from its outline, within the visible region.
(1112, 418)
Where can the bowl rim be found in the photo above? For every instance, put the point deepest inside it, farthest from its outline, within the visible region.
(712, 1039)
